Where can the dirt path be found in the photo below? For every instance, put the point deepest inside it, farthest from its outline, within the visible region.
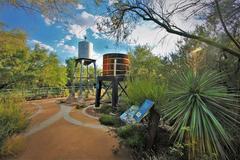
(67, 136)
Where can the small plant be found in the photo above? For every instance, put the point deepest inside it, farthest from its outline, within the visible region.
(122, 108)
(110, 120)
(126, 131)
(80, 106)
(177, 150)
(132, 136)
(152, 155)
(106, 109)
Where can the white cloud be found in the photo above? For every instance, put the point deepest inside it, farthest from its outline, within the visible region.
(159, 39)
(43, 45)
(68, 37)
(111, 2)
(153, 37)
(77, 30)
(60, 43)
(80, 7)
(48, 21)
(70, 49)
(82, 22)
(67, 48)
(99, 58)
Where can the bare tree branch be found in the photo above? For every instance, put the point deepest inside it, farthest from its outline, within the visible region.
(224, 25)
(146, 10)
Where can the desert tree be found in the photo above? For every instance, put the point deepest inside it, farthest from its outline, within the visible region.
(124, 15)
(52, 9)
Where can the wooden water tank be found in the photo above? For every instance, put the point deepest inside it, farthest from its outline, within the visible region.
(122, 64)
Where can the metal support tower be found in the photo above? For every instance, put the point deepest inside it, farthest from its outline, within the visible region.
(84, 63)
(114, 85)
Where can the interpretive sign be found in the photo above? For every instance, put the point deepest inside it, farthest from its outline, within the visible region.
(127, 116)
(135, 113)
(145, 107)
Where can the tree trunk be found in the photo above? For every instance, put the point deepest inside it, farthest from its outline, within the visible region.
(152, 127)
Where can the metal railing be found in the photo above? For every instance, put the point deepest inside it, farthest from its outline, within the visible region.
(38, 93)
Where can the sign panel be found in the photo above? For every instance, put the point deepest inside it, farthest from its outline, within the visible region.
(127, 116)
(135, 113)
(144, 108)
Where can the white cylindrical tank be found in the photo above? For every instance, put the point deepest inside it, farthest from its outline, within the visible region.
(85, 49)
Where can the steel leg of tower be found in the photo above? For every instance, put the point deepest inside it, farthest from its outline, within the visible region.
(114, 92)
(115, 82)
(84, 62)
(98, 93)
(81, 73)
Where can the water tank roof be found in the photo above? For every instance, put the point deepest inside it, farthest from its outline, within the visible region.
(122, 55)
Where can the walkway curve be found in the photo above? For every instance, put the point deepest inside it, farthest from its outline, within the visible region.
(67, 109)
(39, 110)
(44, 124)
(84, 112)
(63, 113)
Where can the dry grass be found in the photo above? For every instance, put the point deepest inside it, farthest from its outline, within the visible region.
(13, 145)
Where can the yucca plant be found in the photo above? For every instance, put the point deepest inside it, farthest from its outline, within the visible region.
(199, 110)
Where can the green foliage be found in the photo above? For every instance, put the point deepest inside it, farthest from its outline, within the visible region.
(177, 150)
(13, 55)
(110, 120)
(12, 119)
(106, 109)
(199, 110)
(146, 80)
(144, 63)
(146, 88)
(45, 69)
(70, 70)
(122, 108)
(21, 67)
(50, 9)
(11, 98)
(132, 136)
(126, 131)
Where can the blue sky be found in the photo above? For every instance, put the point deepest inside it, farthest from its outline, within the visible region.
(63, 39)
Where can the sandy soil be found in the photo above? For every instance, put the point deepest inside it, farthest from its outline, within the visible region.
(49, 108)
(29, 108)
(76, 114)
(65, 141)
(92, 112)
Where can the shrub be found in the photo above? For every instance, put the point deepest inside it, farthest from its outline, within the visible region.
(13, 145)
(12, 119)
(152, 88)
(147, 88)
(163, 155)
(122, 108)
(200, 109)
(132, 136)
(11, 98)
(126, 131)
(106, 109)
(80, 106)
(110, 120)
